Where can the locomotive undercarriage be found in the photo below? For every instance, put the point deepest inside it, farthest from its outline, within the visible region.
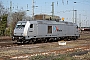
(21, 39)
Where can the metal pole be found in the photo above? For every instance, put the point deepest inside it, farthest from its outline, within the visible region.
(80, 21)
(73, 14)
(33, 9)
(52, 10)
(10, 17)
(76, 16)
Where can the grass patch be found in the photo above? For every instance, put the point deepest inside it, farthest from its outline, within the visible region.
(52, 57)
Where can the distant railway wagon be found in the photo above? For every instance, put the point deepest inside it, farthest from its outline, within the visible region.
(85, 29)
(44, 30)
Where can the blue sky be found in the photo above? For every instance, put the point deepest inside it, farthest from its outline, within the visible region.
(61, 8)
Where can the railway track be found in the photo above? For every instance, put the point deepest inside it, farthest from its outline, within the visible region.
(43, 48)
(9, 43)
(83, 50)
(15, 51)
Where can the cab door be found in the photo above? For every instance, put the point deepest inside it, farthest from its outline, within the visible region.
(32, 30)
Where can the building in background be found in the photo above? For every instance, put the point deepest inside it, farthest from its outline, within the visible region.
(46, 17)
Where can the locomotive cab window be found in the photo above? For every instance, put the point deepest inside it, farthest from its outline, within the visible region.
(20, 25)
(49, 29)
(31, 26)
(77, 27)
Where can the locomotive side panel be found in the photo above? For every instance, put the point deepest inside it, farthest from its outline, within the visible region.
(42, 30)
(58, 30)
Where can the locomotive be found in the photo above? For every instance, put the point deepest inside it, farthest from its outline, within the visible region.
(44, 30)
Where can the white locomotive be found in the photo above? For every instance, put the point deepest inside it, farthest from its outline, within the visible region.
(44, 30)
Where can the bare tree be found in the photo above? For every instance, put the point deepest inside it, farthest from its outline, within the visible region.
(17, 16)
(27, 18)
(1, 8)
(3, 11)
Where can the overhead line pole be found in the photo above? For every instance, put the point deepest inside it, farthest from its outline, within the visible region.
(76, 16)
(80, 21)
(10, 17)
(52, 10)
(73, 14)
(33, 9)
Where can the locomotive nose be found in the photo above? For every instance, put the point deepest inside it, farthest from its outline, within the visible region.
(18, 32)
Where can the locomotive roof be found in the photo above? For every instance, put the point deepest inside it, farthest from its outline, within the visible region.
(49, 22)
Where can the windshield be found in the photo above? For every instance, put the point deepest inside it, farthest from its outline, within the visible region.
(20, 25)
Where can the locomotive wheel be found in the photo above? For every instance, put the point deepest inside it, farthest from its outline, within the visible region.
(42, 41)
(19, 41)
(31, 41)
(46, 40)
(34, 40)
